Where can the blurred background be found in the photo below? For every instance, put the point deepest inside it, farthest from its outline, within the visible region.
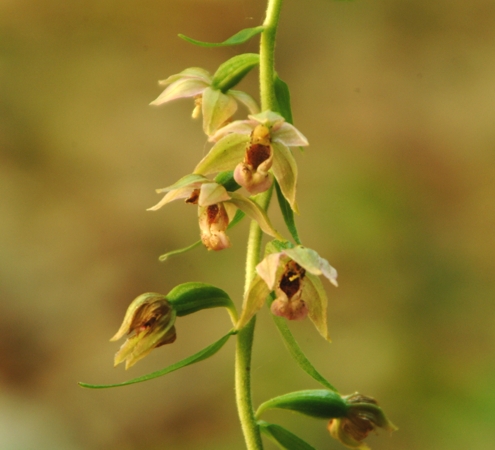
(396, 190)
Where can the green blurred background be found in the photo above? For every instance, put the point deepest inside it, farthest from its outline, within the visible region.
(397, 188)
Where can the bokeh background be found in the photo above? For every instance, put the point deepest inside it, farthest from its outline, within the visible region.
(397, 188)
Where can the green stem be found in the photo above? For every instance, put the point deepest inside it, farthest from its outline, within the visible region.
(245, 336)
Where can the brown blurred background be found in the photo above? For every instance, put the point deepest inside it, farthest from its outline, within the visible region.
(397, 188)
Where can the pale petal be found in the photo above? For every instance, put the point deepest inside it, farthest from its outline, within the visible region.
(312, 262)
(267, 117)
(255, 212)
(184, 192)
(267, 269)
(244, 127)
(191, 72)
(224, 155)
(253, 300)
(285, 170)
(315, 298)
(183, 88)
(289, 135)
(212, 193)
(217, 109)
(248, 101)
(192, 179)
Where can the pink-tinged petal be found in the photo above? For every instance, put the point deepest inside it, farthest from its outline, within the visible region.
(315, 298)
(183, 88)
(224, 155)
(191, 72)
(213, 221)
(255, 212)
(268, 269)
(312, 262)
(285, 170)
(254, 299)
(254, 182)
(248, 101)
(218, 108)
(289, 135)
(294, 309)
(176, 194)
(212, 193)
(244, 127)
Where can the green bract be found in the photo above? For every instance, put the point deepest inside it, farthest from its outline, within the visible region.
(239, 38)
(234, 70)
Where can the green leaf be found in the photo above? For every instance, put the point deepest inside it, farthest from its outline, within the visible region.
(282, 95)
(283, 437)
(298, 355)
(197, 357)
(232, 71)
(318, 403)
(188, 298)
(238, 38)
(287, 214)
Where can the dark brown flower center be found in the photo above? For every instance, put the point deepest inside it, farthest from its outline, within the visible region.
(291, 280)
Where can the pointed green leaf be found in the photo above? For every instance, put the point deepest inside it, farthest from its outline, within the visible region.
(297, 353)
(282, 95)
(287, 214)
(188, 298)
(255, 212)
(318, 403)
(197, 357)
(283, 437)
(168, 255)
(238, 38)
(232, 71)
(224, 155)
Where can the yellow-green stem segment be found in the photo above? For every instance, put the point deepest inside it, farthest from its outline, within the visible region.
(245, 336)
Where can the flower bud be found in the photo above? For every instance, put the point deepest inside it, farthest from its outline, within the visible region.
(149, 323)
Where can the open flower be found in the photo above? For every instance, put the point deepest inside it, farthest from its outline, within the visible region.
(149, 323)
(293, 276)
(216, 208)
(363, 416)
(217, 107)
(253, 147)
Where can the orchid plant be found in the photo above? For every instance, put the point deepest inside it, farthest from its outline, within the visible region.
(248, 161)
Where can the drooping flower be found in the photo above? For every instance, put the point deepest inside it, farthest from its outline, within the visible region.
(149, 323)
(216, 208)
(363, 416)
(253, 147)
(292, 274)
(217, 107)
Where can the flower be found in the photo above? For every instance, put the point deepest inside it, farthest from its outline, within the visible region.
(149, 322)
(216, 208)
(292, 274)
(253, 147)
(217, 106)
(363, 416)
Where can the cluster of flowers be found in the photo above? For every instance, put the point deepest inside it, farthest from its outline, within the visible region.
(256, 152)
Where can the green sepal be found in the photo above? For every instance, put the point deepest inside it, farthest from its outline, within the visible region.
(234, 70)
(283, 437)
(288, 214)
(197, 357)
(226, 179)
(191, 297)
(282, 94)
(318, 403)
(239, 215)
(296, 351)
(179, 251)
(238, 38)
